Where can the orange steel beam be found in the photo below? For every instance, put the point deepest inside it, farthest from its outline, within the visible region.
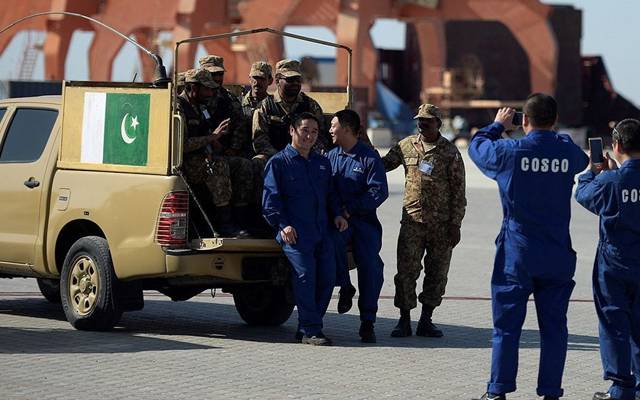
(12, 11)
(349, 19)
(60, 30)
(526, 19)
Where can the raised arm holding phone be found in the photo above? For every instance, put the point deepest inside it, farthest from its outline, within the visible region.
(535, 176)
(612, 193)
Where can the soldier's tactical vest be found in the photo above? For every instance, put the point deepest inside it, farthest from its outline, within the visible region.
(222, 111)
(195, 125)
(248, 109)
(279, 120)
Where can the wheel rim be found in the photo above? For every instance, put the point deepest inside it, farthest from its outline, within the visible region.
(83, 285)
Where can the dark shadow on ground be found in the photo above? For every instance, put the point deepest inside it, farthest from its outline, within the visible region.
(60, 337)
(202, 319)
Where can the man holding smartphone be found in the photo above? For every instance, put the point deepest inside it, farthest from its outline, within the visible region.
(533, 249)
(613, 194)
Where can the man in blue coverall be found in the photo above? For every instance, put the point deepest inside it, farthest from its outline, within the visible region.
(297, 199)
(361, 183)
(613, 194)
(535, 176)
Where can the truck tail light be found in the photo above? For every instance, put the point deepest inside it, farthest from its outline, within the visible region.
(173, 220)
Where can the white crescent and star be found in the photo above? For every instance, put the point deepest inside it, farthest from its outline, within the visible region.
(123, 128)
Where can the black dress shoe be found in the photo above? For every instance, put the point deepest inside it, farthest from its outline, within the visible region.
(299, 336)
(492, 396)
(602, 396)
(367, 334)
(345, 301)
(428, 329)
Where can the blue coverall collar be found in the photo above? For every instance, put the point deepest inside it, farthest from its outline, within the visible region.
(291, 152)
(352, 151)
(633, 163)
(540, 133)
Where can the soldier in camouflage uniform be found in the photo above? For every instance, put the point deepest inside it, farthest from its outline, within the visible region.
(208, 175)
(232, 146)
(433, 208)
(275, 113)
(260, 78)
(180, 82)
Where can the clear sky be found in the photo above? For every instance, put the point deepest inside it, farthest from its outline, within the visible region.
(609, 28)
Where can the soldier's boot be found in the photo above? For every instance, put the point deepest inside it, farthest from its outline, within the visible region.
(225, 225)
(603, 396)
(551, 398)
(491, 396)
(425, 326)
(242, 215)
(367, 333)
(403, 327)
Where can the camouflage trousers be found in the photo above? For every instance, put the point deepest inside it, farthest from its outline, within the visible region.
(416, 239)
(241, 170)
(218, 182)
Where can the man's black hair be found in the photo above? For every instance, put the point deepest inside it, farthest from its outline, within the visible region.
(627, 134)
(541, 109)
(349, 119)
(297, 121)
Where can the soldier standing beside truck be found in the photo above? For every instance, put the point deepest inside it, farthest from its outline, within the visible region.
(433, 208)
(201, 166)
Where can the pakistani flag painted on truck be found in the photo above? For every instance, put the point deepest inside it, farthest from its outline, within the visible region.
(115, 128)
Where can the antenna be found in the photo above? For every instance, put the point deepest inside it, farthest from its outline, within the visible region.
(159, 74)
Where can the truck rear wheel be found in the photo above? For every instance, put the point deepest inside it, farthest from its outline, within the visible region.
(265, 305)
(88, 285)
(50, 289)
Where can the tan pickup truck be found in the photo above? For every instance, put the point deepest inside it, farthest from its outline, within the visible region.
(93, 206)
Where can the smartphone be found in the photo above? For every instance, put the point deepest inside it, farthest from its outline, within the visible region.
(595, 147)
(517, 118)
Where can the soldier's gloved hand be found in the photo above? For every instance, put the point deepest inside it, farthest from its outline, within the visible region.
(454, 235)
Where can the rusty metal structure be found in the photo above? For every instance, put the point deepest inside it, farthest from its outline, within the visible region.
(350, 20)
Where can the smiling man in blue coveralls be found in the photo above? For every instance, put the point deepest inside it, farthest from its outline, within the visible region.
(535, 176)
(361, 184)
(614, 195)
(297, 200)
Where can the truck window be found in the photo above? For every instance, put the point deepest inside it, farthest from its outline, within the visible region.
(27, 135)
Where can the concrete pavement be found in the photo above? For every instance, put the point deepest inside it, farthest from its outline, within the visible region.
(202, 349)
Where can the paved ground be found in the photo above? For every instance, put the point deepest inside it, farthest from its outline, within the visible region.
(202, 349)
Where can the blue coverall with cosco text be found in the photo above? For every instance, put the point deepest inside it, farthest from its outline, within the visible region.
(615, 197)
(535, 176)
(361, 184)
(298, 192)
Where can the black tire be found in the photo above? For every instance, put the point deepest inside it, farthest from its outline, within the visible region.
(88, 286)
(50, 289)
(264, 305)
